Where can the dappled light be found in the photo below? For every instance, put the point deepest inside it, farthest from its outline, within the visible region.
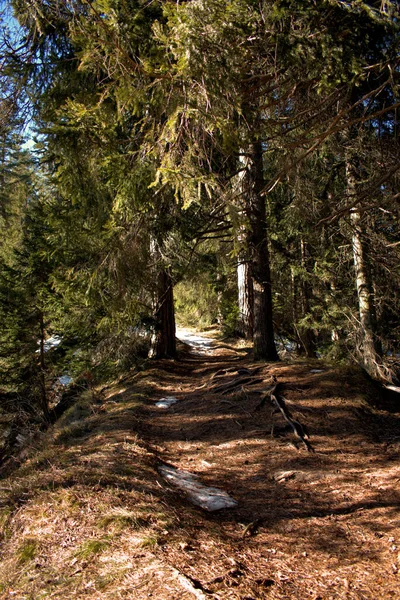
(102, 493)
(199, 300)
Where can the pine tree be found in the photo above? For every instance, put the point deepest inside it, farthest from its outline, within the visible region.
(237, 108)
(23, 287)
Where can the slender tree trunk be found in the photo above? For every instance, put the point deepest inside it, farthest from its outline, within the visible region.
(164, 343)
(295, 307)
(245, 299)
(220, 295)
(3, 210)
(42, 378)
(335, 337)
(368, 341)
(253, 181)
(308, 339)
(244, 279)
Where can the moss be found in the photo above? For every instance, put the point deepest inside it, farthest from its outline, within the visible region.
(73, 431)
(27, 550)
(122, 520)
(5, 514)
(92, 547)
(150, 541)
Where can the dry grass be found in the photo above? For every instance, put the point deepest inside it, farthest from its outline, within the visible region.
(87, 516)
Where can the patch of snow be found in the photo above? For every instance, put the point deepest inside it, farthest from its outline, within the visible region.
(209, 498)
(200, 344)
(65, 379)
(166, 402)
(285, 345)
(52, 342)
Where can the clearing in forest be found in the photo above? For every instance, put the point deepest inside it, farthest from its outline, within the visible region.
(87, 514)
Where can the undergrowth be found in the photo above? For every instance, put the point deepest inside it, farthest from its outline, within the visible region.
(84, 494)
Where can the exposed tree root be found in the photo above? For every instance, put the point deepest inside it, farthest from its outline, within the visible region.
(226, 388)
(279, 405)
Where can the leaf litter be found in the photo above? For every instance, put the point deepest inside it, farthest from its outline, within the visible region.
(90, 517)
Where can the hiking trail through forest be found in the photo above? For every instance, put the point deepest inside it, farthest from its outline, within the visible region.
(320, 525)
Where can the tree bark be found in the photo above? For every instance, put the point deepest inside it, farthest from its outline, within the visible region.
(245, 323)
(369, 346)
(245, 299)
(164, 341)
(253, 182)
(308, 339)
(42, 367)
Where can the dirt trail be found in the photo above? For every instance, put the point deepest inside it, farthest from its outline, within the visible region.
(88, 516)
(308, 525)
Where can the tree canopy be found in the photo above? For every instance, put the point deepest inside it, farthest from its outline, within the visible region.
(177, 144)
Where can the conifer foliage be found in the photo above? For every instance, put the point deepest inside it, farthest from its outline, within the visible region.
(176, 138)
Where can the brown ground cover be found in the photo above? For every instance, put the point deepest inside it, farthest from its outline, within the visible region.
(87, 515)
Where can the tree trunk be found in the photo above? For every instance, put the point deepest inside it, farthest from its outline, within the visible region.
(42, 367)
(219, 290)
(308, 339)
(245, 323)
(245, 299)
(335, 336)
(253, 182)
(164, 340)
(164, 343)
(368, 341)
(3, 210)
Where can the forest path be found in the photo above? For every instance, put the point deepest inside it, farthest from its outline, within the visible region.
(200, 344)
(319, 525)
(88, 516)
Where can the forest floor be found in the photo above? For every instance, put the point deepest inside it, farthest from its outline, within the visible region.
(87, 515)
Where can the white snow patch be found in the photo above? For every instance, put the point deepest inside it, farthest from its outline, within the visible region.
(65, 379)
(166, 402)
(52, 342)
(200, 344)
(285, 345)
(209, 498)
